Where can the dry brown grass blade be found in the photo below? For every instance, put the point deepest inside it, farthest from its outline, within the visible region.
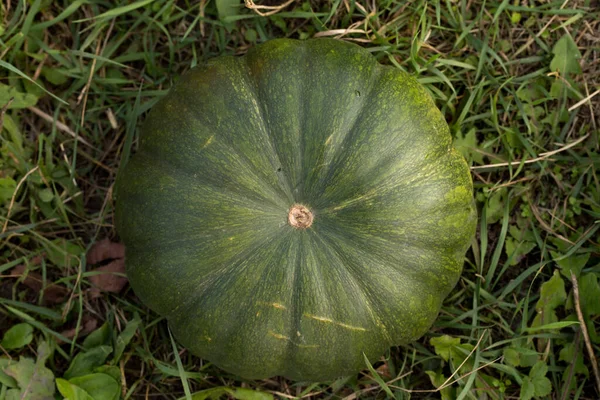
(543, 156)
(544, 225)
(583, 101)
(586, 335)
(59, 125)
(531, 40)
(257, 8)
(338, 33)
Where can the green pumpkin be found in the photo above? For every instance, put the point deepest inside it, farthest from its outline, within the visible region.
(295, 209)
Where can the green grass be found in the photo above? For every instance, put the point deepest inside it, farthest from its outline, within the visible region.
(518, 83)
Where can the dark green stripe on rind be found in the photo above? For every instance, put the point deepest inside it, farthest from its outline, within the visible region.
(202, 208)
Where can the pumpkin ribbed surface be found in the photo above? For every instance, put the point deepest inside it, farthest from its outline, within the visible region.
(294, 208)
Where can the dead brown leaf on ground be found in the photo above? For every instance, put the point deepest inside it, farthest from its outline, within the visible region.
(105, 250)
(108, 279)
(88, 325)
(384, 371)
(52, 293)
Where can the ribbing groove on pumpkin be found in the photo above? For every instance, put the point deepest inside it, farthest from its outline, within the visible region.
(257, 102)
(300, 217)
(299, 345)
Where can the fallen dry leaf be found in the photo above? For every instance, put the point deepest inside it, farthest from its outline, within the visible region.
(105, 250)
(384, 370)
(52, 294)
(113, 253)
(89, 324)
(107, 280)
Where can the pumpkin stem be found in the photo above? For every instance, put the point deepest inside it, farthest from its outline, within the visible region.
(300, 217)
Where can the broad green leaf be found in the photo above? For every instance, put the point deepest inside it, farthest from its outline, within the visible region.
(251, 35)
(125, 337)
(18, 336)
(7, 189)
(13, 394)
(33, 88)
(552, 293)
(459, 353)
(574, 263)
(566, 56)
(46, 195)
(84, 363)
(589, 294)
(63, 253)
(438, 379)
(467, 144)
(511, 356)
(527, 389)
(98, 386)
(228, 8)
(70, 391)
(100, 337)
(542, 385)
(520, 233)
(443, 345)
(557, 89)
(55, 76)
(495, 206)
(110, 370)
(543, 318)
(567, 354)
(20, 100)
(538, 370)
(251, 394)
(520, 356)
(7, 380)
(516, 249)
(34, 380)
(16, 137)
(512, 137)
(44, 351)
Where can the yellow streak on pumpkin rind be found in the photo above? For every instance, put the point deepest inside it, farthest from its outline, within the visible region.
(209, 141)
(278, 336)
(283, 337)
(330, 321)
(279, 306)
(352, 201)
